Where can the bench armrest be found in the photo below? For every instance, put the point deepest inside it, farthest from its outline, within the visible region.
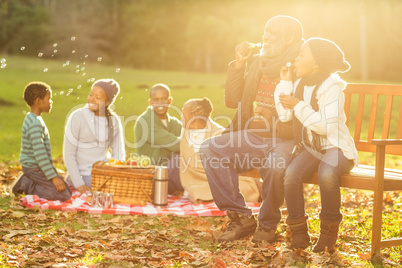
(386, 141)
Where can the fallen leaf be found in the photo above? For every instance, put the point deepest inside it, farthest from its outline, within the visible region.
(17, 214)
(15, 233)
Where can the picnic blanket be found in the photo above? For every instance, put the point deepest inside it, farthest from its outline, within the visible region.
(179, 206)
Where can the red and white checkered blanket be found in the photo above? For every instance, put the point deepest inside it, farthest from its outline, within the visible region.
(176, 205)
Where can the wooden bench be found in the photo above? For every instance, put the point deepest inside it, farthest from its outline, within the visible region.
(369, 106)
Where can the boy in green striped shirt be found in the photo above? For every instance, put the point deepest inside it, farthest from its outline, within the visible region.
(40, 176)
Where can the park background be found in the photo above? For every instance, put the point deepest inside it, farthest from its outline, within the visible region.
(185, 44)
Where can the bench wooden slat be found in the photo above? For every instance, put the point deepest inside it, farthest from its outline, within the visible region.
(387, 117)
(359, 116)
(365, 146)
(399, 129)
(373, 116)
(362, 178)
(391, 242)
(374, 89)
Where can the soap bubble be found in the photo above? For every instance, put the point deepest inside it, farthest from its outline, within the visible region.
(55, 51)
(118, 70)
(61, 92)
(86, 55)
(99, 58)
(45, 70)
(84, 74)
(70, 90)
(72, 38)
(55, 45)
(3, 65)
(79, 86)
(22, 48)
(73, 51)
(40, 54)
(83, 69)
(3, 60)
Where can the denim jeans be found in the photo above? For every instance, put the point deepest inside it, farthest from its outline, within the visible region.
(34, 182)
(227, 155)
(331, 166)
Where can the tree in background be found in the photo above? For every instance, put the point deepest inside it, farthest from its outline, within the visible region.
(22, 23)
(198, 35)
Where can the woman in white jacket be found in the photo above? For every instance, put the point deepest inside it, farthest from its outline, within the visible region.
(93, 133)
(315, 102)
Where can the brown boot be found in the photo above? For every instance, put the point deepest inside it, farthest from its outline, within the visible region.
(238, 226)
(299, 229)
(328, 235)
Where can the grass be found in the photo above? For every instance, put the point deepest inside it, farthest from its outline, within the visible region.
(63, 79)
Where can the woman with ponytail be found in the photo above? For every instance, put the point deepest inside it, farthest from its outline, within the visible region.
(93, 133)
(198, 126)
(323, 142)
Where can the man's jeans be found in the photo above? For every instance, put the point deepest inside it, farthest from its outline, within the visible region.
(227, 155)
(34, 182)
(331, 166)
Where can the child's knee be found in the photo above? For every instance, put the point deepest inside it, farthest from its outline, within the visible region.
(291, 176)
(64, 196)
(328, 178)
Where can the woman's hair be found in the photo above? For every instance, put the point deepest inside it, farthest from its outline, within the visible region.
(199, 107)
(35, 90)
(110, 86)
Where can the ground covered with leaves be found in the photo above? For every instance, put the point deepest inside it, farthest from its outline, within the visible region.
(49, 238)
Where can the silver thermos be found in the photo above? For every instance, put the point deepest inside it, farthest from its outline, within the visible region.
(160, 187)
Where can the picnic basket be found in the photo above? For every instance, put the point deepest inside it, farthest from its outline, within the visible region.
(123, 181)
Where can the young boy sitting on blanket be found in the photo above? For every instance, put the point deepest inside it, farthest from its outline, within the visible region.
(157, 135)
(39, 176)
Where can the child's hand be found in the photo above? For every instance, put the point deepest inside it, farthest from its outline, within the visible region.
(288, 101)
(243, 52)
(59, 184)
(83, 188)
(264, 111)
(286, 72)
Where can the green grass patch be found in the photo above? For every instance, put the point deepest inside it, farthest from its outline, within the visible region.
(71, 85)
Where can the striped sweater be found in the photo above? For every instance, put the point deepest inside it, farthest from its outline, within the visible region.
(35, 146)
